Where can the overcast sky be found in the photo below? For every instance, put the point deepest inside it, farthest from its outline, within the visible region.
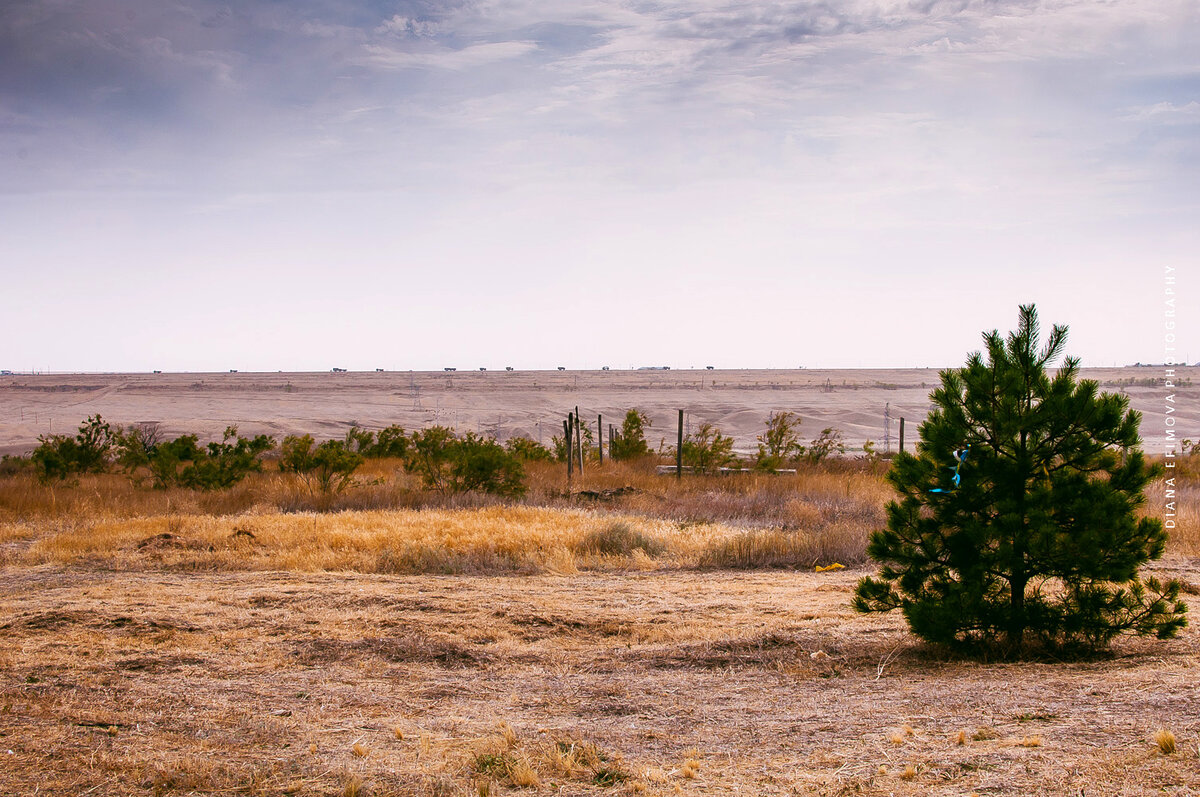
(265, 185)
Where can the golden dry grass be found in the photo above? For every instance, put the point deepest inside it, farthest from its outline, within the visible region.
(517, 539)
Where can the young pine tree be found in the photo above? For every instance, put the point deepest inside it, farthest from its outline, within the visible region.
(1017, 519)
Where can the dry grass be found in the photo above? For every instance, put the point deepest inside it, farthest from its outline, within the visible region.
(155, 681)
(510, 539)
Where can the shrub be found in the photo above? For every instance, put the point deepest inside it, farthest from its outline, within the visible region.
(707, 450)
(166, 459)
(780, 443)
(389, 442)
(327, 467)
(135, 445)
(830, 440)
(12, 465)
(1017, 516)
(453, 464)
(59, 456)
(226, 463)
(527, 450)
(560, 445)
(358, 440)
(630, 441)
(619, 539)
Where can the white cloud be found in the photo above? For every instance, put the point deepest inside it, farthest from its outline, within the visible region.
(470, 57)
(1164, 113)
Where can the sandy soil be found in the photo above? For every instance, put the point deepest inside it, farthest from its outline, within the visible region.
(115, 683)
(531, 403)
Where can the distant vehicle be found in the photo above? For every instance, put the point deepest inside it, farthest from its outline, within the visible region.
(708, 368)
(508, 368)
(561, 368)
(482, 369)
(10, 373)
(233, 370)
(379, 370)
(157, 372)
(339, 370)
(449, 369)
(604, 368)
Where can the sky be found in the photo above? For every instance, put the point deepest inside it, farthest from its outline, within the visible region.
(264, 185)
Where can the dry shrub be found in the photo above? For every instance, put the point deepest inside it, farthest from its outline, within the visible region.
(1165, 741)
(761, 548)
(619, 539)
(506, 758)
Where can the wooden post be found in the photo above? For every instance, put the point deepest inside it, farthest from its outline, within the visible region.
(679, 451)
(579, 439)
(567, 441)
(901, 434)
(600, 437)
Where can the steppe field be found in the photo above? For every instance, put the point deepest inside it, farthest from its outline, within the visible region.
(634, 634)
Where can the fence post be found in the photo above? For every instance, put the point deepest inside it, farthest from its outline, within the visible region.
(567, 441)
(679, 451)
(579, 438)
(901, 434)
(600, 437)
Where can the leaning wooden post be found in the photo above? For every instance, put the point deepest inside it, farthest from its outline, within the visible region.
(902, 434)
(679, 451)
(567, 440)
(600, 437)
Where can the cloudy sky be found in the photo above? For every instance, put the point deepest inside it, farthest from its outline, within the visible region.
(264, 185)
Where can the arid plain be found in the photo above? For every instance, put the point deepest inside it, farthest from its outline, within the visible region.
(160, 642)
(507, 403)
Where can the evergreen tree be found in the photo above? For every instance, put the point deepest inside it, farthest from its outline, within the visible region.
(1017, 518)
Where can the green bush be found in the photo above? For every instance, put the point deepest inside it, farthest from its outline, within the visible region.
(90, 451)
(830, 440)
(453, 464)
(706, 450)
(780, 444)
(389, 442)
(224, 464)
(630, 441)
(327, 467)
(527, 450)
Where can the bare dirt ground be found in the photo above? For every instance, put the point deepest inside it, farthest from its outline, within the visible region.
(531, 403)
(676, 682)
